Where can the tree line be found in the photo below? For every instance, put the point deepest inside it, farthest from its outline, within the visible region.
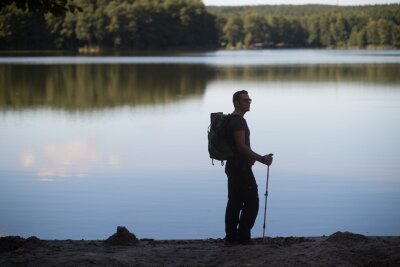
(165, 24)
(120, 24)
(317, 26)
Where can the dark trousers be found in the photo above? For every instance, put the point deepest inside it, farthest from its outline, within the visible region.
(242, 207)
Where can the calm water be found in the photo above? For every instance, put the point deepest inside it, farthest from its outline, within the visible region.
(90, 143)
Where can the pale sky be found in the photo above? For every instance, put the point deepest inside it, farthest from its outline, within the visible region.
(296, 2)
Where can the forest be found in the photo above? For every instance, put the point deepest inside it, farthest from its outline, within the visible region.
(101, 25)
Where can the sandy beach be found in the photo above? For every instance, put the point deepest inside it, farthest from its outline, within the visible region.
(124, 249)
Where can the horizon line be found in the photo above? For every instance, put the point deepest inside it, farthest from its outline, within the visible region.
(310, 4)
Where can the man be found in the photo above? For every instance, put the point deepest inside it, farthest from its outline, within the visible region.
(242, 206)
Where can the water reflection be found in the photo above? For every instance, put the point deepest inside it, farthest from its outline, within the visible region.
(128, 143)
(73, 158)
(86, 87)
(369, 73)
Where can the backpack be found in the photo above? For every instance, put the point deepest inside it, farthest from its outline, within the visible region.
(219, 145)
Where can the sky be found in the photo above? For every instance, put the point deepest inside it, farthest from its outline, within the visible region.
(296, 2)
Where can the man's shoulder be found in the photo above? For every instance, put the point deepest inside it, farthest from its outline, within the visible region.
(237, 118)
(237, 122)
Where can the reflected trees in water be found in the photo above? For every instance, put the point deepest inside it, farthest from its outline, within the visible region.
(98, 86)
(84, 87)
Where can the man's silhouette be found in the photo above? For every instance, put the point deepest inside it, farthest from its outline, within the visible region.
(242, 206)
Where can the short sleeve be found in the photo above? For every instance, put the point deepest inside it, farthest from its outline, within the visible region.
(238, 124)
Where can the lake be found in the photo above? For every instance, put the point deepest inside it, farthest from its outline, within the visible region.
(89, 143)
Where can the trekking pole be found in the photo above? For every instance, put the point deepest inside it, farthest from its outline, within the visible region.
(265, 206)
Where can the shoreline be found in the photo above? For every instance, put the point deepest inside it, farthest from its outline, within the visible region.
(120, 52)
(123, 249)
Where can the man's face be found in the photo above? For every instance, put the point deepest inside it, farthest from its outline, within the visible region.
(244, 102)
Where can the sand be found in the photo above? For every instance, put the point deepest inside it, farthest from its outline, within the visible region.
(124, 249)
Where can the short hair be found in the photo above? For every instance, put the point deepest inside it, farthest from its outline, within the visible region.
(236, 95)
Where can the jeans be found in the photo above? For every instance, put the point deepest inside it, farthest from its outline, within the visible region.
(242, 207)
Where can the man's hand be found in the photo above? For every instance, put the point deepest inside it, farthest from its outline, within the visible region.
(267, 159)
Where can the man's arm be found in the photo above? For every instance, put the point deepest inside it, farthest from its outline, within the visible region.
(239, 137)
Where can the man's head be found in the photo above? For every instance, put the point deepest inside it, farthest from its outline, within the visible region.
(241, 101)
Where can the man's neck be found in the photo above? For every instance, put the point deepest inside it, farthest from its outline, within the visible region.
(238, 112)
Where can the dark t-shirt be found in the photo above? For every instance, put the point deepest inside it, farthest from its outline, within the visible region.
(241, 162)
